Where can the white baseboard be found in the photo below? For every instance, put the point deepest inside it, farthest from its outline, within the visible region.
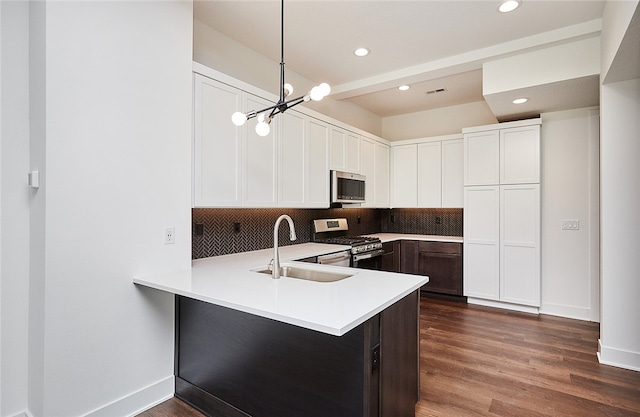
(25, 413)
(139, 401)
(618, 357)
(506, 306)
(569, 312)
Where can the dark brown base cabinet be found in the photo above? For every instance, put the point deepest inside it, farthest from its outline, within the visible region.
(231, 363)
(441, 261)
(391, 257)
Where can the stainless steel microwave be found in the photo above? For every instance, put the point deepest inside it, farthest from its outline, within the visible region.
(347, 187)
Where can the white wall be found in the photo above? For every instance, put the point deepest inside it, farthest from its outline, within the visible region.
(620, 201)
(217, 51)
(14, 206)
(437, 122)
(570, 190)
(110, 126)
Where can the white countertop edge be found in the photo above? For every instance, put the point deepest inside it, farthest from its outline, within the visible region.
(390, 237)
(336, 331)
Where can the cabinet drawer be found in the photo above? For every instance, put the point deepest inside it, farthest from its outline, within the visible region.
(440, 247)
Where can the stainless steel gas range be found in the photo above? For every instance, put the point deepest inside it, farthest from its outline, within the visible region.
(364, 253)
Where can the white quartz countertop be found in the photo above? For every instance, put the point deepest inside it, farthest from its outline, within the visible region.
(329, 307)
(390, 237)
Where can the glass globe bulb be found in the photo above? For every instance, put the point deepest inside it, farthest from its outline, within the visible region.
(262, 129)
(238, 118)
(325, 89)
(316, 94)
(288, 89)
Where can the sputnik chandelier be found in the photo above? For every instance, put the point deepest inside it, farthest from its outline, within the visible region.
(265, 115)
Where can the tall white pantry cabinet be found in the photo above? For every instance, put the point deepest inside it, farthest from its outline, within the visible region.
(501, 224)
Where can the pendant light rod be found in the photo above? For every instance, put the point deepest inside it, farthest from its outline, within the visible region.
(317, 93)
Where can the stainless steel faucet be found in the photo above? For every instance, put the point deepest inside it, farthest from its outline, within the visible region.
(275, 272)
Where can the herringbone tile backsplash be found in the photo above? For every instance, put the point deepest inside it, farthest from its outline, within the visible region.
(256, 226)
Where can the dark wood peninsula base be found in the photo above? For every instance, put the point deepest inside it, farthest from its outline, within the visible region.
(232, 364)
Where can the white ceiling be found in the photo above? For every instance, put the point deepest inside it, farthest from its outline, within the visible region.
(428, 44)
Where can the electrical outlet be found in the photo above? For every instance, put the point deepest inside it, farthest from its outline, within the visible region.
(236, 227)
(569, 224)
(438, 220)
(169, 235)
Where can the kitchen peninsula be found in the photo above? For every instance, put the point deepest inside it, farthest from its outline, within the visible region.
(248, 345)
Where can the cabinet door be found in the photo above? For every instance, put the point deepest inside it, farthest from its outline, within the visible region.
(317, 164)
(520, 244)
(291, 178)
(338, 145)
(404, 176)
(352, 153)
(430, 174)
(481, 223)
(453, 173)
(482, 158)
(368, 169)
(391, 258)
(409, 257)
(520, 155)
(442, 263)
(217, 154)
(259, 162)
(381, 175)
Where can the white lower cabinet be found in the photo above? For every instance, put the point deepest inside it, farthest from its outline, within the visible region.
(481, 247)
(520, 244)
(502, 243)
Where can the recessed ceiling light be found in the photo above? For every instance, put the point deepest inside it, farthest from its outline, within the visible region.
(509, 6)
(404, 87)
(520, 100)
(361, 52)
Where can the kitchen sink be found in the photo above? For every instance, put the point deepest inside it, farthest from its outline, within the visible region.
(306, 273)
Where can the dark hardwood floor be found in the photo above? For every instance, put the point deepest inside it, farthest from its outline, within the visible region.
(479, 361)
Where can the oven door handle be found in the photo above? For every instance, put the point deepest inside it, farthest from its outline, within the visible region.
(368, 255)
(334, 257)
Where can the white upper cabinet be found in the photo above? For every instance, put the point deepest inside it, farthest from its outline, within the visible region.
(452, 173)
(344, 150)
(304, 161)
(368, 169)
(502, 155)
(317, 164)
(430, 174)
(217, 160)
(260, 168)
(482, 158)
(382, 175)
(292, 154)
(289, 167)
(520, 155)
(337, 145)
(404, 176)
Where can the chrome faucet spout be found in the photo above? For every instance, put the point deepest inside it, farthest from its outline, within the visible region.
(275, 273)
